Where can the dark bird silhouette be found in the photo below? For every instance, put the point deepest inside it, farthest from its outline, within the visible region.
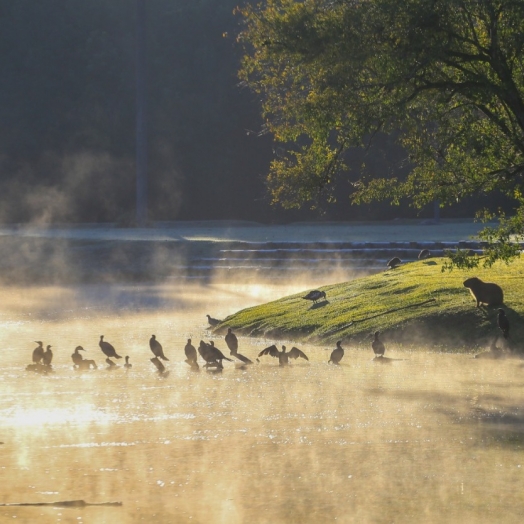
(191, 354)
(425, 253)
(231, 341)
(378, 346)
(336, 354)
(158, 364)
(394, 262)
(212, 355)
(111, 364)
(503, 322)
(213, 321)
(48, 357)
(77, 357)
(315, 295)
(156, 348)
(38, 352)
(283, 357)
(127, 364)
(107, 348)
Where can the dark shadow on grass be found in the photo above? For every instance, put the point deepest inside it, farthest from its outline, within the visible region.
(319, 304)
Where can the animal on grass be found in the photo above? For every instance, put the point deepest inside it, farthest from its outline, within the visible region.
(394, 262)
(213, 321)
(315, 295)
(503, 322)
(336, 354)
(283, 356)
(485, 293)
(425, 253)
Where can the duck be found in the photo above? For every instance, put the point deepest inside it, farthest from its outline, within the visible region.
(315, 295)
(336, 354)
(378, 346)
(48, 357)
(107, 348)
(283, 357)
(38, 352)
(156, 348)
(503, 322)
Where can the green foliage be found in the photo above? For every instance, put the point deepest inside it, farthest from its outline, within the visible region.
(446, 75)
(413, 304)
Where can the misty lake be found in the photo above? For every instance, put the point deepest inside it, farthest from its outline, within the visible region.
(428, 438)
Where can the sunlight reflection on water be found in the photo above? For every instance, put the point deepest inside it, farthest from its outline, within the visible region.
(433, 438)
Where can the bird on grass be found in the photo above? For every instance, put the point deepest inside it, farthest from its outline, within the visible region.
(315, 295)
(107, 348)
(48, 357)
(38, 352)
(191, 355)
(425, 253)
(127, 365)
(394, 262)
(378, 346)
(503, 322)
(213, 321)
(156, 348)
(336, 354)
(283, 357)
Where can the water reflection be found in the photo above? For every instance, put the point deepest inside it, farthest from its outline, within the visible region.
(304, 443)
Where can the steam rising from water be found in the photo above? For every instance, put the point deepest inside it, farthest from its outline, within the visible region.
(431, 438)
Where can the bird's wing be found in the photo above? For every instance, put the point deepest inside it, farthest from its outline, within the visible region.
(271, 350)
(295, 353)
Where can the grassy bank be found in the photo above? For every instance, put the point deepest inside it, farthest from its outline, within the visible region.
(414, 305)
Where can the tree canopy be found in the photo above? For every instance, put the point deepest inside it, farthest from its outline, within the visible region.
(445, 77)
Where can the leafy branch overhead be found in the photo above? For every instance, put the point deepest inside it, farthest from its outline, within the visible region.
(445, 77)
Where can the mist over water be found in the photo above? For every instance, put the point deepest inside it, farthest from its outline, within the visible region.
(429, 438)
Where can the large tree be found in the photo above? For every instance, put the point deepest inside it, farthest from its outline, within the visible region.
(446, 77)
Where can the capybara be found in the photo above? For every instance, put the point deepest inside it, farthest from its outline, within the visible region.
(485, 292)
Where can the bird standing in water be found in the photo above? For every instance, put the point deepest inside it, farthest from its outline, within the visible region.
(283, 357)
(191, 354)
(127, 365)
(337, 354)
(38, 352)
(48, 357)
(231, 341)
(378, 346)
(76, 357)
(503, 322)
(107, 348)
(156, 348)
(212, 355)
(315, 295)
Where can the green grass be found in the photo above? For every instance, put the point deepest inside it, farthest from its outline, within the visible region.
(416, 305)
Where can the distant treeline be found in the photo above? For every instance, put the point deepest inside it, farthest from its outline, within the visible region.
(67, 118)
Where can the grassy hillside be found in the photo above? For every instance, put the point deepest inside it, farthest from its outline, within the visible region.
(415, 304)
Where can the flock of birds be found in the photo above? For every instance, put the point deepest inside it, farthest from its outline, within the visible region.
(212, 355)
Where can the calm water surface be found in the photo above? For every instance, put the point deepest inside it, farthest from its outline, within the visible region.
(427, 438)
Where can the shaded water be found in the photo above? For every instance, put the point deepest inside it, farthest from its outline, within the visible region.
(430, 438)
